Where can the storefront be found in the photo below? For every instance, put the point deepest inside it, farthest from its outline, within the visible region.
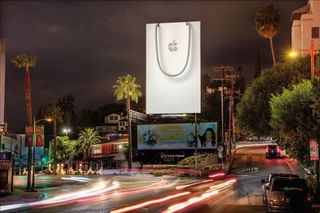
(6, 176)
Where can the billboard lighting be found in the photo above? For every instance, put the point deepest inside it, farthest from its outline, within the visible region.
(173, 115)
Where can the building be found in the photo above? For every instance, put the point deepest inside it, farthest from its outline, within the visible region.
(113, 123)
(2, 78)
(306, 27)
(110, 154)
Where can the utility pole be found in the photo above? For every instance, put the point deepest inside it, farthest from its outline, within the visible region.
(227, 74)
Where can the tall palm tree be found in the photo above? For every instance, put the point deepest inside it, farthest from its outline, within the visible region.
(54, 112)
(127, 89)
(267, 22)
(26, 62)
(87, 138)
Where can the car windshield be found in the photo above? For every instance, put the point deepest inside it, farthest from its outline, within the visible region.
(287, 184)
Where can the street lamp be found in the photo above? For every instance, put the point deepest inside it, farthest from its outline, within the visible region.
(66, 131)
(293, 54)
(34, 145)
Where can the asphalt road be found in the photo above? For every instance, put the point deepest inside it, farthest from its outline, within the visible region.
(160, 194)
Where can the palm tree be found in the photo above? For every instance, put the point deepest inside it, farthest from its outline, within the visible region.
(66, 149)
(54, 112)
(87, 138)
(127, 89)
(267, 22)
(26, 62)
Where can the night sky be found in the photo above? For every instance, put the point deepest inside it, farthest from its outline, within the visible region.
(84, 46)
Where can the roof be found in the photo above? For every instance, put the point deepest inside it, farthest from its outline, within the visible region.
(10, 134)
(296, 14)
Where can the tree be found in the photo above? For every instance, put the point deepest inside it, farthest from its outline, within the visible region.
(87, 138)
(66, 149)
(253, 112)
(26, 62)
(267, 22)
(127, 89)
(54, 112)
(292, 121)
(66, 103)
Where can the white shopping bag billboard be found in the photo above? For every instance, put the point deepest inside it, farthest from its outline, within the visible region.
(173, 68)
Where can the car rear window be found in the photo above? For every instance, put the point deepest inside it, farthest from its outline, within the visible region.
(272, 146)
(287, 184)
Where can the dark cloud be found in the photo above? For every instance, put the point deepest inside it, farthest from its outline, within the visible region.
(84, 46)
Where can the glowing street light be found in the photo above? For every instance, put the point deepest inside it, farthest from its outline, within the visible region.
(293, 54)
(66, 131)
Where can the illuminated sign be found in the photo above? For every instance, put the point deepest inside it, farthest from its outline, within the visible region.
(177, 136)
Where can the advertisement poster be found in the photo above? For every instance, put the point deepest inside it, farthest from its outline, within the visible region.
(173, 68)
(39, 136)
(177, 136)
(314, 150)
(29, 136)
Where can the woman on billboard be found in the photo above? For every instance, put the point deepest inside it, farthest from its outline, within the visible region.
(209, 139)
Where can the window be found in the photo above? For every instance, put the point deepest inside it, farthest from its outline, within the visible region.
(315, 32)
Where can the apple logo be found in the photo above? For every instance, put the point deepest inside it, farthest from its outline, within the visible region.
(173, 46)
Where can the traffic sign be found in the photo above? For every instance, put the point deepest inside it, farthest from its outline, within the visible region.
(220, 148)
(314, 149)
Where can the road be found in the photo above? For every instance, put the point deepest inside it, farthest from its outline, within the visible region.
(146, 193)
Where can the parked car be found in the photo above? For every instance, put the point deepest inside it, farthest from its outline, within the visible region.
(266, 183)
(288, 195)
(273, 151)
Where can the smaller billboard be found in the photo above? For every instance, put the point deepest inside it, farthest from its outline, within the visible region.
(177, 136)
(314, 149)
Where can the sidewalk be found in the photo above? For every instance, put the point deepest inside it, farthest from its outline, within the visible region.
(19, 196)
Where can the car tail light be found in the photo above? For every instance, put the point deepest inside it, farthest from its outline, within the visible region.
(309, 198)
(267, 149)
(278, 149)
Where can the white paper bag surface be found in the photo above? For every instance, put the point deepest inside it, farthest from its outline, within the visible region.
(173, 68)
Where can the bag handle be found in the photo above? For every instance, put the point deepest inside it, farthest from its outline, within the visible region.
(157, 52)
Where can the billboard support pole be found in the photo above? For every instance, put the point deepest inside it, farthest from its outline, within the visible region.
(196, 140)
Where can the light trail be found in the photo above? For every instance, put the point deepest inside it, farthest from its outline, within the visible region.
(150, 202)
(222, 174)
(13, 206)
(128, 192)
(212, 191)
(79, 179)
(98, 189)
(193, 184)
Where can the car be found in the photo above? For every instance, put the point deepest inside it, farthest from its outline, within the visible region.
(288, 195)
(266, 184)
(273, 150)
